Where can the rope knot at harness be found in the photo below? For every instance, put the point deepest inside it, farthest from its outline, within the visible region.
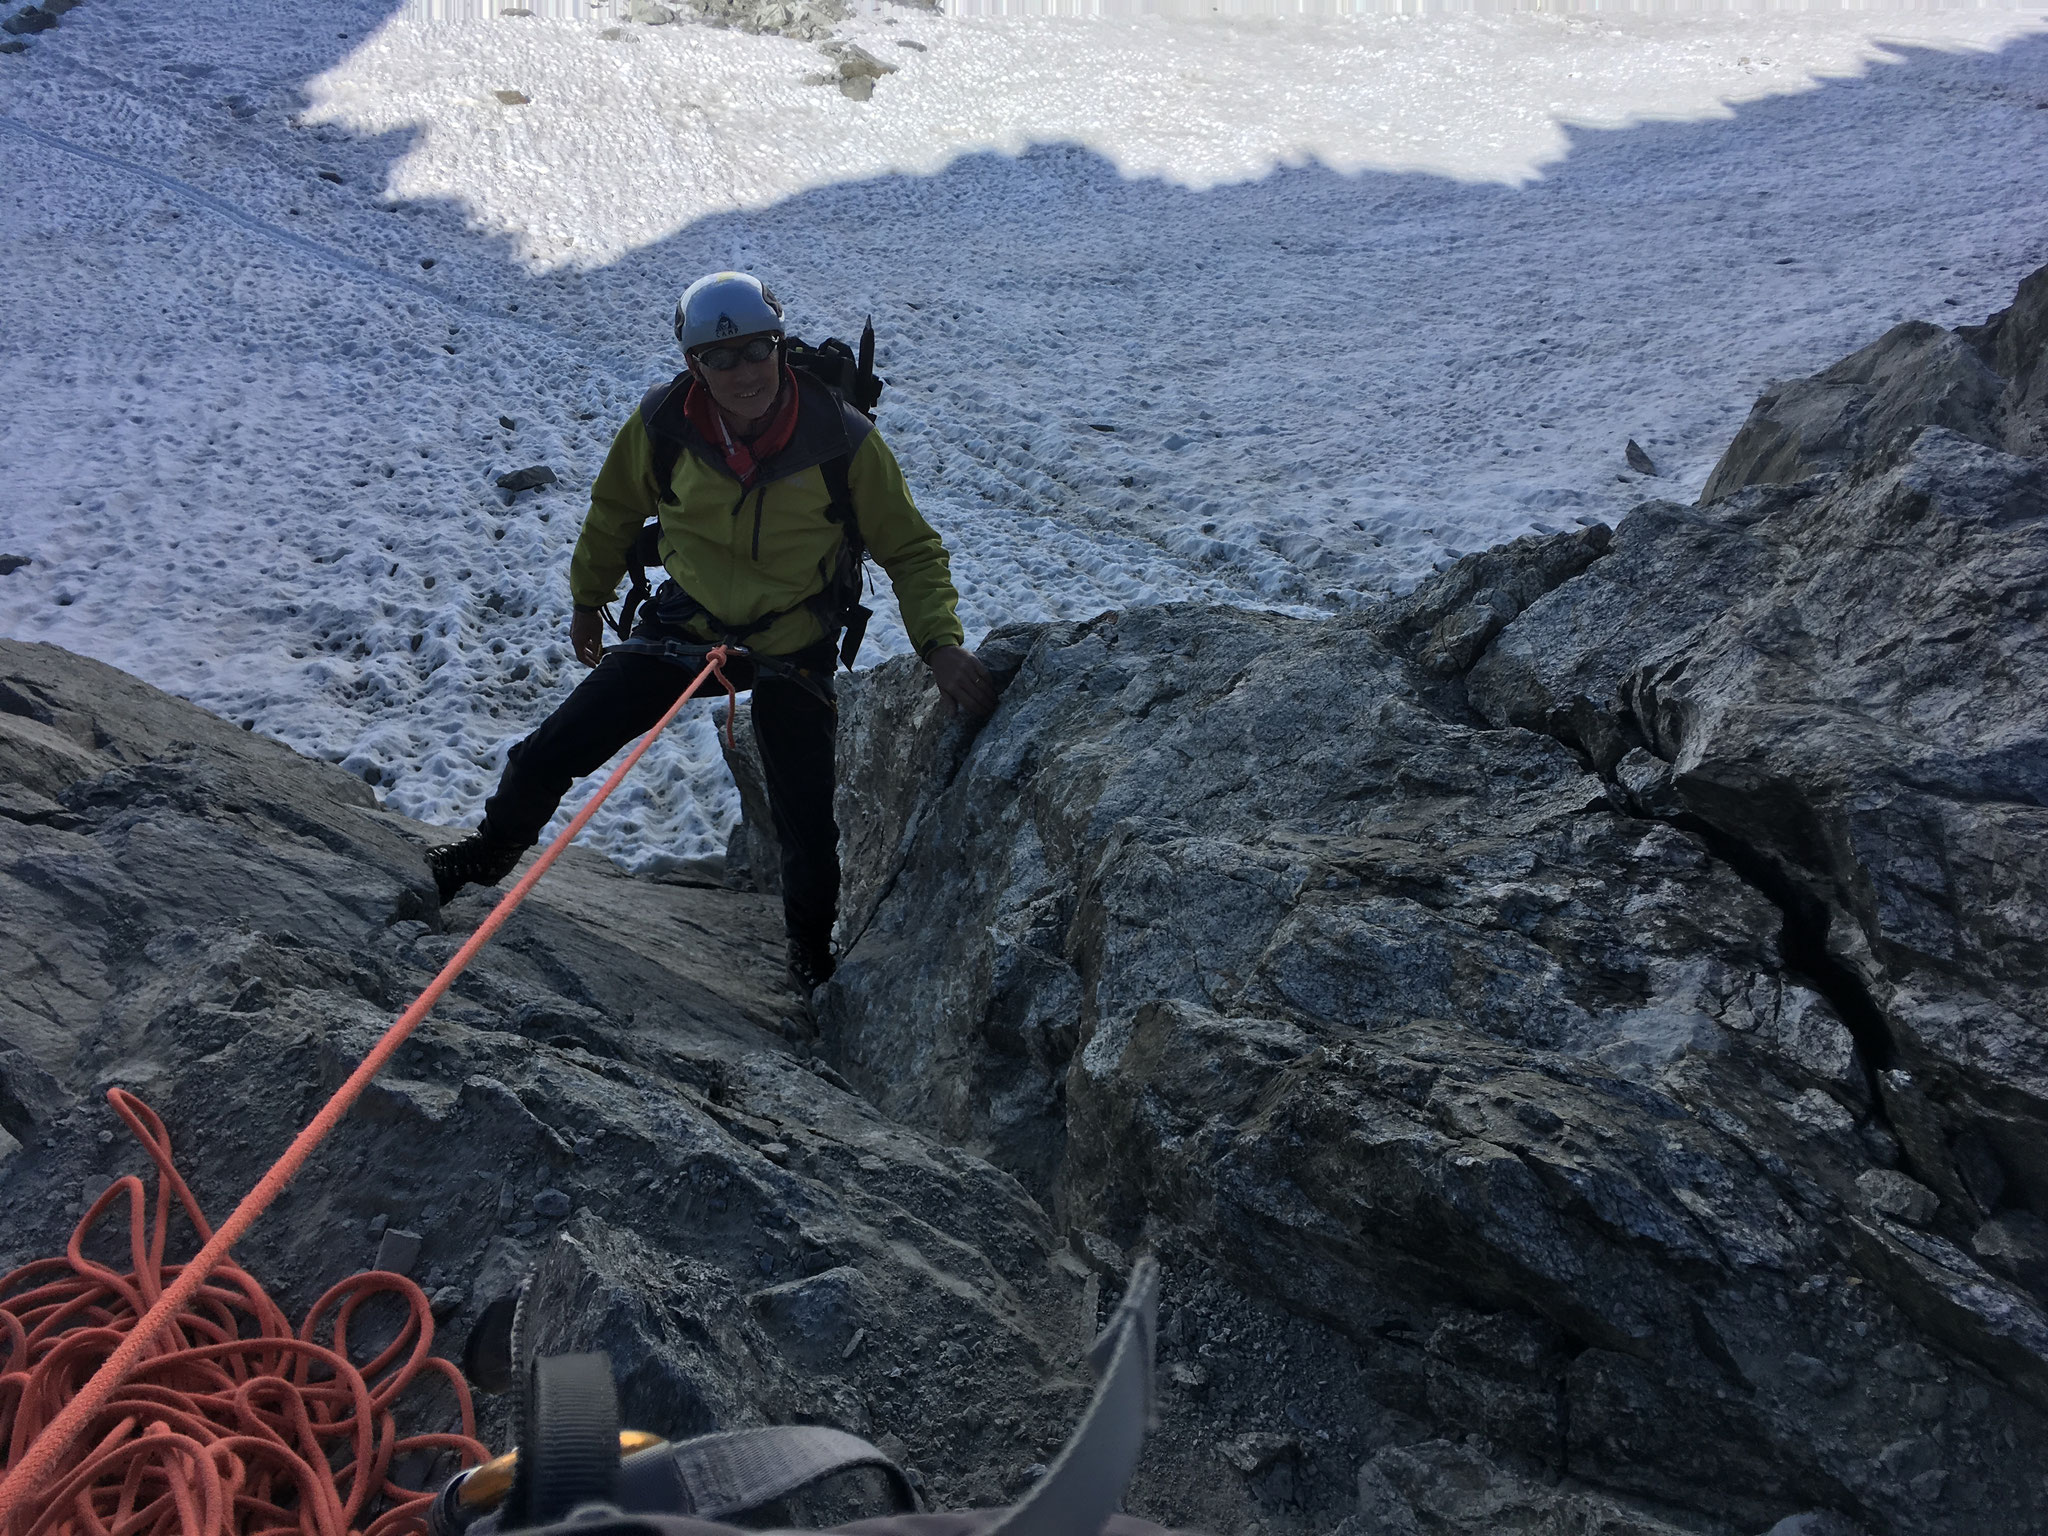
(193, 1406)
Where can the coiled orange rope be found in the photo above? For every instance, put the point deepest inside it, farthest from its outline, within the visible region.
(236, 1422)
(209, 1498)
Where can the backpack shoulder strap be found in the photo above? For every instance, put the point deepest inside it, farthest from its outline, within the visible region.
(660, 413)
(839, 605)
(839, 485)
(660, 408)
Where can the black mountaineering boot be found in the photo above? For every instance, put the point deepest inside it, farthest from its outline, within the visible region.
(810, 966)
(479, 859)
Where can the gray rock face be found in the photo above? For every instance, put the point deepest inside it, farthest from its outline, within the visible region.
(1890, 1193)
(608, 1094)
(1597, 997)
(1988, 383)
(2014, 345)
(1438, 1485)
(1846, 687)
(753, 857)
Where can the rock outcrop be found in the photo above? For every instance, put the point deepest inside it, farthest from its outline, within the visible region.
(1598, 996)
(1986, 382)
(1574, 1034)
(609, 1094)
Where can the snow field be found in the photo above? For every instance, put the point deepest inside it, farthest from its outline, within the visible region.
(1260, 311)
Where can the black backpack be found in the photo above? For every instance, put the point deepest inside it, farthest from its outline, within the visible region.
(849, 377)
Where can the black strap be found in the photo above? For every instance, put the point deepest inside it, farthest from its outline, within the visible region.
(856, 631)
(637, 593)
(487, 1358)
(664, 436)
(568, 1439)
(714, 1477)
(644, 551)
(838, 605)
(838, 472)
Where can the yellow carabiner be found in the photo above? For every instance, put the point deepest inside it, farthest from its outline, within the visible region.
(485, 1487)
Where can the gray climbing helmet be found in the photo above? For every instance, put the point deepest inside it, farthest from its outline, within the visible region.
(724, 305)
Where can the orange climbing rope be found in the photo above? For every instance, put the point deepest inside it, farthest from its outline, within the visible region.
(159, 1460)
(226, 1427)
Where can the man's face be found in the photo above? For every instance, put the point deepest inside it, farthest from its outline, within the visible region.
(743, 389)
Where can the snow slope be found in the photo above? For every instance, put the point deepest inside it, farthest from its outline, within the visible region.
(1265, 310)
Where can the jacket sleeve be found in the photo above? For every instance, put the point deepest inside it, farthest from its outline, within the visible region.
(907, 546)
(623, 498)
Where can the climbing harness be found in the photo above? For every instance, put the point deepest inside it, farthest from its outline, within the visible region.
(202, 1500)
(689, 655)
(576, 1474)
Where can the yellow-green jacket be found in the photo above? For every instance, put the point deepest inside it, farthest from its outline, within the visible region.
(743, 555)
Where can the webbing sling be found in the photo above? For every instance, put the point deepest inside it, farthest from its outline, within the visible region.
(714, 1476)
(717, 1476)
(1087, 1481)
(568, 1439)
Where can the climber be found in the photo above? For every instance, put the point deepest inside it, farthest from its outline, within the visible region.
(763, 514)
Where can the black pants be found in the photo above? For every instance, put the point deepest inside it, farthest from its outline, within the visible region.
(794, 725)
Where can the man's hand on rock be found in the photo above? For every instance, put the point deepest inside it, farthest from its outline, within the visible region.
(963, 680)
(586, 635)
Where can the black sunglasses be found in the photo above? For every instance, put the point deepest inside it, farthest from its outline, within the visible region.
(725, 359)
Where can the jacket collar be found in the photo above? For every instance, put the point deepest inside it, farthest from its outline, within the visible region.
(744, 456)
(820, 434)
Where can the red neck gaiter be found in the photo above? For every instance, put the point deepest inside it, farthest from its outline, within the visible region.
(744, 458)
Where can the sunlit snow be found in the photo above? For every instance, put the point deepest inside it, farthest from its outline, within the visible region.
(1174, 303)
